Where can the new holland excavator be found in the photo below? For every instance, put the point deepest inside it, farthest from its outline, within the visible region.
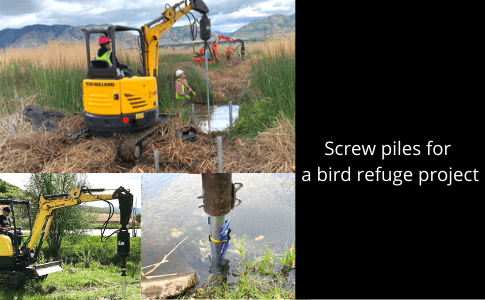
(117, 104)
(213, 56)
(17, 257)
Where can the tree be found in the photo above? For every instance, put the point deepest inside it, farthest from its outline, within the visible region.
(69, 221)
(9, 191)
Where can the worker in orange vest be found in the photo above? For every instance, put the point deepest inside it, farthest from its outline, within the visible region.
(228, 54)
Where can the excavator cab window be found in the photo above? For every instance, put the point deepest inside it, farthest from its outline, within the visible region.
(98, 69)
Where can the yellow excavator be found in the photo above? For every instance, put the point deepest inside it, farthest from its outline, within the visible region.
(18, 256)
(115, 102)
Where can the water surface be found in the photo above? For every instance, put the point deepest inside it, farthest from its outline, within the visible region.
(265, 218)
(219, 119)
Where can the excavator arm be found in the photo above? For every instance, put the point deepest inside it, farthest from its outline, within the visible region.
(49, 203)
(221, 37)
(151, 35)
(213, 49)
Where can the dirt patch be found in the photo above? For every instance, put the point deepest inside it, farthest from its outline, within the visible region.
(230, 83)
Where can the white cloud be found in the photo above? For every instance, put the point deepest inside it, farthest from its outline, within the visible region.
(223, 14)
(98, 10)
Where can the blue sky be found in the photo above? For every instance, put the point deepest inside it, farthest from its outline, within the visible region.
(225, 15)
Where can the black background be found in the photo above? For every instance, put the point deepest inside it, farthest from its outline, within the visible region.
(379, 75)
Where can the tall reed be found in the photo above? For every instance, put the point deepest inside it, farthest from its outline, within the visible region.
(273, 83)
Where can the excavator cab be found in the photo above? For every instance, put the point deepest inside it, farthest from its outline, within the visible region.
(113, 102)
(101, 69)
(15, 258)
(8, 246)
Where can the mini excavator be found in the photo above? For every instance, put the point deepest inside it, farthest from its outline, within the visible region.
(117, 104)
(18, 256)
(213, 56)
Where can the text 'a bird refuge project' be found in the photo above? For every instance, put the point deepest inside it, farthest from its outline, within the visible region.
(447, 176)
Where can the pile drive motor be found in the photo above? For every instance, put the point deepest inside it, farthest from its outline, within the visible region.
(205, 28)
(125, 199)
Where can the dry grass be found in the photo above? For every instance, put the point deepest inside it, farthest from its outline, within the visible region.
(58, 54)
(73, 53)
(271, 47)
(25, 150)
(54, 54)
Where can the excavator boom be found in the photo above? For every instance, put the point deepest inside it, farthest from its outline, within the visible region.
(47, 207)
(167, 19)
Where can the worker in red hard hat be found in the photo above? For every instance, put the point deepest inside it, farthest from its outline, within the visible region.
(105, 53)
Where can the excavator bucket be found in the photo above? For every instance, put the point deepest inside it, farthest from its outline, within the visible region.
(47, 268)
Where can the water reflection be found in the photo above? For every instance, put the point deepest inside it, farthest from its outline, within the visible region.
(265, 219)
(219, 117)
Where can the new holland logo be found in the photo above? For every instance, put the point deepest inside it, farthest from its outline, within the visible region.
(100, 83)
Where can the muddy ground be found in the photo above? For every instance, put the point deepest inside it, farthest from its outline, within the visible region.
(24, 149)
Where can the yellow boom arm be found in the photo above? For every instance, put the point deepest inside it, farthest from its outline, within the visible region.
(47, 207)
(151, 35)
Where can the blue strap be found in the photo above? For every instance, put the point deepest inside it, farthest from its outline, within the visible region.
(225, 235)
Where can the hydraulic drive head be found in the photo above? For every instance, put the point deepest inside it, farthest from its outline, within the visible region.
(205, 28)
(125, 199)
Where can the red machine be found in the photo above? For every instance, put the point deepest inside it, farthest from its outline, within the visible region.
(213, 56)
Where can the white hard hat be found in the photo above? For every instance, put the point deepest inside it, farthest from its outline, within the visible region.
(178, 73)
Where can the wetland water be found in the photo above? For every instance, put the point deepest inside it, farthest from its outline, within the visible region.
(219, 116)
(265, 218)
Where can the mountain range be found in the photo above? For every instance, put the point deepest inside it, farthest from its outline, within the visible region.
(37, 35)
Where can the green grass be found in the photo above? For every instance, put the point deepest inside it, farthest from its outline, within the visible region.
(271, 97)
(262, 278)
(56, 89)
(91, 270)
(61, 89)
(288, 259)
(249, 286)
(113, 226)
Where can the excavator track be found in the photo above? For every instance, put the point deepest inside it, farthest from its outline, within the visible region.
(73, 136)
(133, 145)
